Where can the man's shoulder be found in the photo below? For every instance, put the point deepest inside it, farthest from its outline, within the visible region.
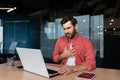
(83, 37)
(62, 37)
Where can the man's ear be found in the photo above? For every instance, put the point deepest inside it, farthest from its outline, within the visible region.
(76, 26)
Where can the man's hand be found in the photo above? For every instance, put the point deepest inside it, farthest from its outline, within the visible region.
(70, 69)
(66, 70)
(66, 53)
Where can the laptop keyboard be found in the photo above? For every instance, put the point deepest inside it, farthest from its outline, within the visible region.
(51, 71)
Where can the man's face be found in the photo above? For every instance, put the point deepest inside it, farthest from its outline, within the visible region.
(69, 29)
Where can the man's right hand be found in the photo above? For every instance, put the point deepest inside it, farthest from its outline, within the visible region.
(66, 53)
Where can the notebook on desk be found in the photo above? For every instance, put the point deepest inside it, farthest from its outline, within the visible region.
(33, 61)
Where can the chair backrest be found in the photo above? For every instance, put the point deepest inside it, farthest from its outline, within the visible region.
(12, 47)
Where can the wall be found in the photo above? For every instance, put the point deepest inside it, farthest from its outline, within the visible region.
(25, 32)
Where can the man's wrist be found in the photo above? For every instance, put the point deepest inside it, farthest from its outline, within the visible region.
(60, 57)
(75, 69)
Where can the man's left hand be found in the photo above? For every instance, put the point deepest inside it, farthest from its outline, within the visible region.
(66, 70)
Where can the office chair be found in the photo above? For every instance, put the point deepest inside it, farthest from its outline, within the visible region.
(9, 53)
(12, 48)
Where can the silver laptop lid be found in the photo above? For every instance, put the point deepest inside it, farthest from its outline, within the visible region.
(32, 61)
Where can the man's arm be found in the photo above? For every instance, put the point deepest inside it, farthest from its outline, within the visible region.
(80, 68)
(70, 69)
(60, 57)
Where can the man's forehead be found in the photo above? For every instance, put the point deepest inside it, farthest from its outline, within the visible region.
(67, 24)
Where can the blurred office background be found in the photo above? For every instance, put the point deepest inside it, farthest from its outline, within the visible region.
(36, 24)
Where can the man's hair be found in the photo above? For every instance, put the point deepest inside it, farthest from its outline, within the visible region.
(69, 18)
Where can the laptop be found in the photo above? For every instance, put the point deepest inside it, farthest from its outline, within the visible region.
(32, 61)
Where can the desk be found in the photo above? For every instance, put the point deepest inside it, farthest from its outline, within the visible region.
(13, 73)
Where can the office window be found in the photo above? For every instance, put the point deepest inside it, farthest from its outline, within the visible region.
(97, 26)
(50, 30)
(58, 29)
(1, 39)
(83, 25)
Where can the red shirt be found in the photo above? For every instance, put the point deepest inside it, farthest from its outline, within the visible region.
(84, 51)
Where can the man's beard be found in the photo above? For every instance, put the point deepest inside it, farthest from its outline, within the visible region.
(70, 35)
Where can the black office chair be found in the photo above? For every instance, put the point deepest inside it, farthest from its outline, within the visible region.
(11, 51)
(12, 48)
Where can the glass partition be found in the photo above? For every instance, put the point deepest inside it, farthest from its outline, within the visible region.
(1, 38)
(97, 33)
(83, 25)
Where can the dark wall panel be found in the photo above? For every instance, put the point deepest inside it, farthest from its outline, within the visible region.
(24, 33)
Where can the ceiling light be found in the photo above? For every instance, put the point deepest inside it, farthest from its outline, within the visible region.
(3, 8)
(112, 20)
(11, 9)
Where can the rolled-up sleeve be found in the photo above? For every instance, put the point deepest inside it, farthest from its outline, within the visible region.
(56, 52)
(90, 61)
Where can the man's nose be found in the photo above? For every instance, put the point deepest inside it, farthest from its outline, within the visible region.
(66, 31)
